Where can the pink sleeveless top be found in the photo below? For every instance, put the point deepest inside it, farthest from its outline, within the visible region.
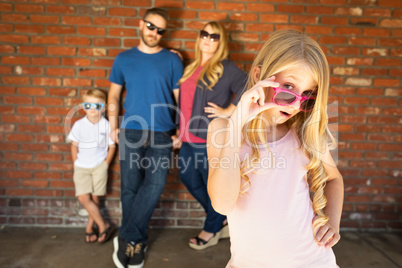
(271, 225)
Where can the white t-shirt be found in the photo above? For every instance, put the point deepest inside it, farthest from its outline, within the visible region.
(93, 141)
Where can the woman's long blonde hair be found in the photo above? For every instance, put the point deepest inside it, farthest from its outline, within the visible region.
(288, 49)
(213, 70)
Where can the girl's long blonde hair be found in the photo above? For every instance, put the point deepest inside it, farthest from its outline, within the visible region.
(213, 70)
(288, 49)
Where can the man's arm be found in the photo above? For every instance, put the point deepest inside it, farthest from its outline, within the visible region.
(176, 95)
(175, 138)
(113, 110)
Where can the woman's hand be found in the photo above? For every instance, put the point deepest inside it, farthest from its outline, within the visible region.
(327, 235)
(216, 111)
(177, 53)
(253, 101)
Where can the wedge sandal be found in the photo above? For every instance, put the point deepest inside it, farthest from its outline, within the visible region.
(202, 244)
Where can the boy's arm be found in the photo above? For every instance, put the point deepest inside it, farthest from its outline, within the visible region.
(74, 150)
(110, 154)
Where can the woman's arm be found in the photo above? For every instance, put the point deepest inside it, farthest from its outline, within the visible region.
(236, 85)
(328, 234)
(216, 111)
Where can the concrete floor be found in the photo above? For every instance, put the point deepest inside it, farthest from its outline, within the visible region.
(59, 248)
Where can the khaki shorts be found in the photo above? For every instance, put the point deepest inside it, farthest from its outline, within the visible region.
(91, 180)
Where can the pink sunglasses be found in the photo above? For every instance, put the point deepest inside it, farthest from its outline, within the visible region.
(285, 97)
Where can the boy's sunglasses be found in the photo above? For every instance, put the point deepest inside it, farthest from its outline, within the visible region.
(212, 37)
(96, 106)
(285, 97)
(152, 27)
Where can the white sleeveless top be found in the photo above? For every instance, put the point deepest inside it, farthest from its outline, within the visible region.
(271, 225)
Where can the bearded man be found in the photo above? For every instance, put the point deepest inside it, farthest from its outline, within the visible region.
(150, 74)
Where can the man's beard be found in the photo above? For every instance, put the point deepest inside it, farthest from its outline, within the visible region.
(154, 44)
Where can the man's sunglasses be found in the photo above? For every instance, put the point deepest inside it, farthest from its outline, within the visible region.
(152, 27)
(212, 37)
(285, 97)
(96, 106)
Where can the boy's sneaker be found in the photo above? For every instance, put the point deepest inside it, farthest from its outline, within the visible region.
(128, 254)
(137, 252)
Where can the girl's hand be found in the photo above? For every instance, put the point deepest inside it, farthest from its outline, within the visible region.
(215, 111)
(327, 235)
(253, 100)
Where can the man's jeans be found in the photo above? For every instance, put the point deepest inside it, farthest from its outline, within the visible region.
(193, 167)
(144, 165)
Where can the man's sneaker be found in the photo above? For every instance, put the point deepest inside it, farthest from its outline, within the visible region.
(136, 251)
(120, 258)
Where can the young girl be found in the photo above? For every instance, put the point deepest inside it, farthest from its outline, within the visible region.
(263, 159)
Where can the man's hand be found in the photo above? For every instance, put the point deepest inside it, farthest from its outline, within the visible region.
(114, 135)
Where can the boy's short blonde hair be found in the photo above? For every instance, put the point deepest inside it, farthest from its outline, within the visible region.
(96, 93)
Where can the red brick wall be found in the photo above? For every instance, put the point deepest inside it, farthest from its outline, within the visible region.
(53, 50)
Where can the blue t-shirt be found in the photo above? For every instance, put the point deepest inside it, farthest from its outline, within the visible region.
(149, 80)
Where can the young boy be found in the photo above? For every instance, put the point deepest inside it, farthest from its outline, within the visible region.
(92, 151)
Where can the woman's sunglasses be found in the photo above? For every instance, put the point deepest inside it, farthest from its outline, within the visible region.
(152, 27)
(212, 37)
(285, 97)
(96, 106)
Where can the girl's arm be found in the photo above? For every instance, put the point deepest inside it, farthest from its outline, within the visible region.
(224, 169)
(223, 147)
(328, 234)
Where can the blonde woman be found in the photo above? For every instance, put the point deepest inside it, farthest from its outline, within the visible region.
(267, 157)
(210, 87)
